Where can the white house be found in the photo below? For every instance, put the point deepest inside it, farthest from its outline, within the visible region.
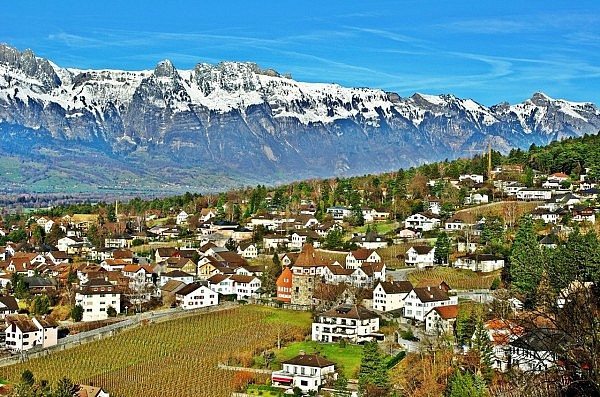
(355, 259)
(545, 215)
(70, 244)
(301, 237)
(440, 320)
(8, 305)
(422, 222)
(455, 224)
(96, 296)
(339, 213)
(531, 194)
(476, 178)
(371, 241)
(501, 332)
(476, 199)
(247, 250)
(420, 256)
(372, 215)
(275, 241)
(480, 262)
(243, 287)
(182, 218)
(23, 333)
(196, 295)
(389, 296)
(175, 275)
(118, 241)
(351, 322)
(537, 350)
(336, 274)
(421, 300)
(140, 274)
(308, 372)
(368, 274)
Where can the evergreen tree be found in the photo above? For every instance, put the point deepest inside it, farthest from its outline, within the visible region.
(526, 261)
(483, 347)
(231, 245)
(373, 371)
(442, 248)
(40, 305)
(465, 384)
(77, 313)
(334, 239)
(65, 388)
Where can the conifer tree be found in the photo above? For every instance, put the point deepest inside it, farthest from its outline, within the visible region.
(526, 261)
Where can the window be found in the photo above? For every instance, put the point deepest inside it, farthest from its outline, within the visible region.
(304, 382)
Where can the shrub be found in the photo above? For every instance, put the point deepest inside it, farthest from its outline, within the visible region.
(77, 313)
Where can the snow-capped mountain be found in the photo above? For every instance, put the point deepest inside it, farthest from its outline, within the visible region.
(245, 120)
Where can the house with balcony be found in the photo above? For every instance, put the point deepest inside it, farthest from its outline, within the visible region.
(308, 372)
(422, 222)
(354, 323)
(96, 296)
(420, 256)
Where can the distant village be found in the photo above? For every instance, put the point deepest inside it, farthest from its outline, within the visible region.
(355, 266)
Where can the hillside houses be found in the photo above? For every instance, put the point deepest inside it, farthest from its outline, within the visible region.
(355, 259)
(420, 256)
(371, 240)
(480, 262)
(421, 300)
(390, 296)
(353, 323)
(422, 222)
(24, 333)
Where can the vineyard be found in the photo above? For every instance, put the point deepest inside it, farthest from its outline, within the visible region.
(459, 279)
(178, 357)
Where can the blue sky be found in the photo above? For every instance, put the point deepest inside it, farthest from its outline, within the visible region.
(490, 51)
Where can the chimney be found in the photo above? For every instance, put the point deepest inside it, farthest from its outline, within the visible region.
(428, 288)
(301, 353)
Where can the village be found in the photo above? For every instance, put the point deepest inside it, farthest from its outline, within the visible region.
(356, 268)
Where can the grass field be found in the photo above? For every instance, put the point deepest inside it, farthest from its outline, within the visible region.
(503, 208)
(347, 357)
(381, 227)
(178, 357)
(455, 278)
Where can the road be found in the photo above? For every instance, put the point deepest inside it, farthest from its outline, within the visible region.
(400, 274)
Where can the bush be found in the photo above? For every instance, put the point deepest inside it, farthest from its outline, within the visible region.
(408, 335)
(77, 313)
(111, 311)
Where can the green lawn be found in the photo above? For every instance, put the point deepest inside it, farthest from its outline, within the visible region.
(348, 358)
(291, 317)
(264, 391)
(382, 227)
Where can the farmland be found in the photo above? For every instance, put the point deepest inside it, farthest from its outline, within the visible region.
(456, 278)
(179, 355)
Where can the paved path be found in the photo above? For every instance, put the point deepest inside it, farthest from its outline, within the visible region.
(400, 274)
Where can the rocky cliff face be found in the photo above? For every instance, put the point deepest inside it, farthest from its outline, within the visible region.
(243, 120)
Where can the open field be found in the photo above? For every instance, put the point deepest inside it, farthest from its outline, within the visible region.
(504, 209)
(180, 355)
(381, 227)
(455, 278)
(347, 357)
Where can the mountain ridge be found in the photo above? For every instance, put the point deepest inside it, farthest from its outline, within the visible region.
(258, 124)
